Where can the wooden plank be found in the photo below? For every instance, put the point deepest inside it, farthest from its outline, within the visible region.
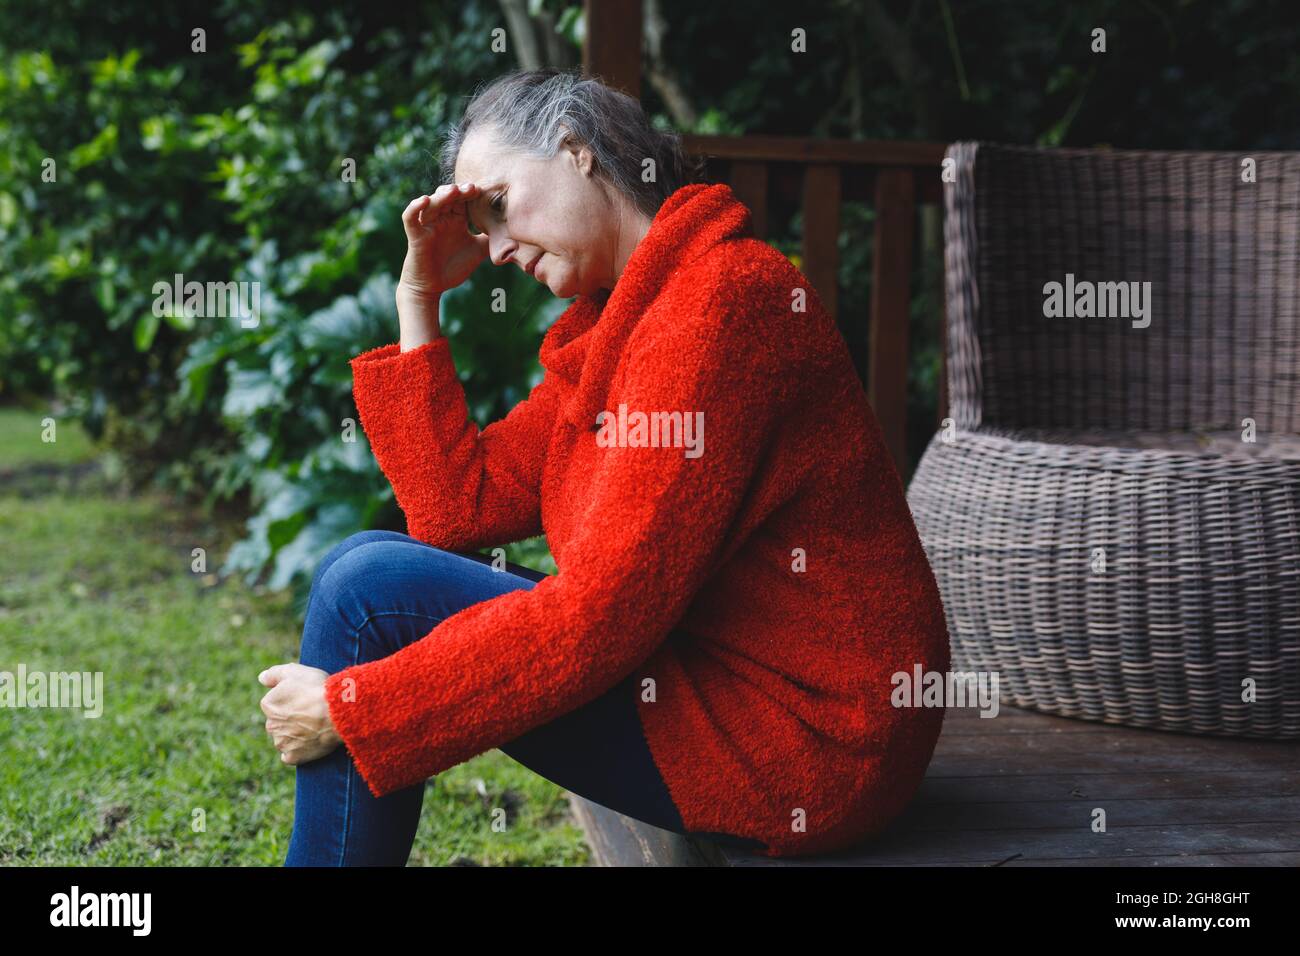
(891, 299)
(1048, 814)
(749, 183)
(1279, 859)
(1006, 711)
(1283, 858)
(619, 840)
(1020, 725)
(821, 233)
(1098, 751)
(912, 841)
(964, 713)
(799, 149)
(912, 847)
(611, 48)
(969, 720)
(979, 765)
(1020, 788)
(1108, 786)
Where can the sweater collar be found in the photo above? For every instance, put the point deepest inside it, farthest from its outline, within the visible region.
(583, 346)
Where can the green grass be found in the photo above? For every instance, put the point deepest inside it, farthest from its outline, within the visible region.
(91, 580)
(22, 443)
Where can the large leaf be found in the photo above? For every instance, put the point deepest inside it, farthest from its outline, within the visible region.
(331, 524)
(249, 391)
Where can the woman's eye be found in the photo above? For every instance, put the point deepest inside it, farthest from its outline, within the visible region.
(497, 206)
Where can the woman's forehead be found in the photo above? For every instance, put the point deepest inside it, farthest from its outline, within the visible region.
(480, 162)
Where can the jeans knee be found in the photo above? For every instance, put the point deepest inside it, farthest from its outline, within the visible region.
(331, 590)
(353, 541)
(347, 566)
(375, 573)
(394, 577)
(350, 543)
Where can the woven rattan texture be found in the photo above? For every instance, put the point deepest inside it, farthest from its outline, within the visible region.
(1102, 534)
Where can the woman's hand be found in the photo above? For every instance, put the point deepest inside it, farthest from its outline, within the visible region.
(297, 714)
(440, 255)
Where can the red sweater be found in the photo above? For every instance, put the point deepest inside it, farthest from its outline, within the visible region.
(785, 550)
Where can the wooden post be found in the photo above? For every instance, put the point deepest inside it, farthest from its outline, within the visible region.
(821, 232)
(611, 47)
(891, 297)
(749, 183)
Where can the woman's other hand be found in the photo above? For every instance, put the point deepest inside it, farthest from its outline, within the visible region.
(297, 714)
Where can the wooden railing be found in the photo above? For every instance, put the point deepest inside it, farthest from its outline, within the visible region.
(817, 176)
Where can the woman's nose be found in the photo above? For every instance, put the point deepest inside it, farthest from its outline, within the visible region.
(501, 251)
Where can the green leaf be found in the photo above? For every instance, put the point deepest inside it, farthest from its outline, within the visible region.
(338, 325)
(279, 533)
(106, 293)
(331, 525)
(102, 146)
(178, 318)
(146, 327)
(250, 391)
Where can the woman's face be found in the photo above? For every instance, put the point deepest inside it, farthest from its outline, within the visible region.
(549, 212)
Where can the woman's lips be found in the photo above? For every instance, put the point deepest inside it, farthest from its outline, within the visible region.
(532, 266)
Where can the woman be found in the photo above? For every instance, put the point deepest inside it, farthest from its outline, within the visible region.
(739, 575)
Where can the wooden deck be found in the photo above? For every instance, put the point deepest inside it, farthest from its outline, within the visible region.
(1020, 789)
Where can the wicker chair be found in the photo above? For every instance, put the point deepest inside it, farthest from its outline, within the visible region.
(1104, 534)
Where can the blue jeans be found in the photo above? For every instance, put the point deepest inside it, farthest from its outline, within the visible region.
(372, 595)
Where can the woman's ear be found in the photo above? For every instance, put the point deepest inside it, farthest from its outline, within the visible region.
(583, 158)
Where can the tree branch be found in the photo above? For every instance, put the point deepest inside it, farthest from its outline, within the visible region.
(659, 74)
(519, 27)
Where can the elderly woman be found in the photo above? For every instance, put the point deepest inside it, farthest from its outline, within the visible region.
(740, 581)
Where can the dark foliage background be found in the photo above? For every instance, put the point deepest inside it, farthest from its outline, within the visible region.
(226, 165)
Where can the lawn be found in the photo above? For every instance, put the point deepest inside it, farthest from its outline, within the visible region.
(178, 770)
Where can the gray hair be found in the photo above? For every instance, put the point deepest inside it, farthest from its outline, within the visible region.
(537, 111)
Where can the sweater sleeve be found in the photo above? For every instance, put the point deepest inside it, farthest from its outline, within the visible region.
(653, 532)
(460, 487)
